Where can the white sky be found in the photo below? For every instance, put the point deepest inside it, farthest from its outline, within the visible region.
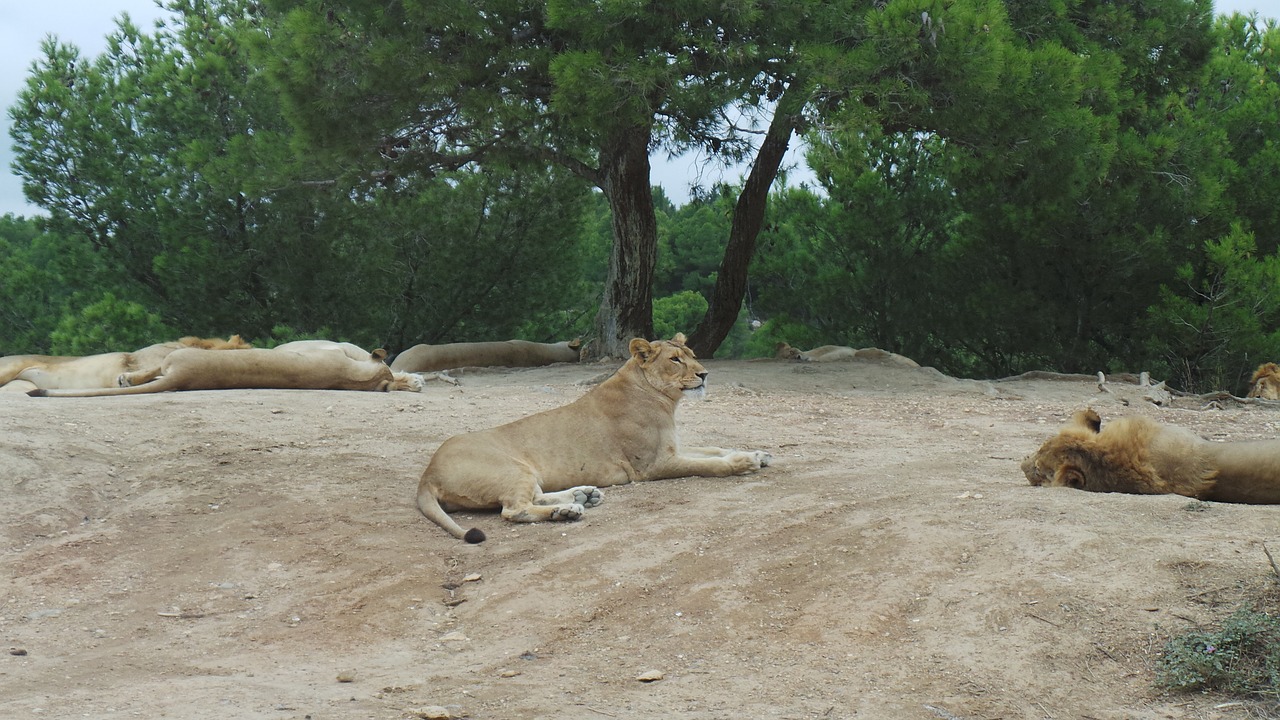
(86, 24)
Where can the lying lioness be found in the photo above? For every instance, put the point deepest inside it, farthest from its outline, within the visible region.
(100, 371)
(191, 369)
(508, 353)
(1138, 455)
(548, 466)
(841, 353)
(402, 380)
(1266, 382)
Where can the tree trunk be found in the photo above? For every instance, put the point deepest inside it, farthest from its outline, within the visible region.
(748, 217)
(626, 311)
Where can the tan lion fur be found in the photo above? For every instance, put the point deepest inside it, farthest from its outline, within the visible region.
(506, 353)
(1266, 382)
(841, 353)
(548, 466)
(195, 369)
(100, 371)
(400, 380)
(1135, 454)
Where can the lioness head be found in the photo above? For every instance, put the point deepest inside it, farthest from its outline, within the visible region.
(670, 367)
(783, 351)
(1063, 459)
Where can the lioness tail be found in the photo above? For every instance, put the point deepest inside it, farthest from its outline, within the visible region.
(430, 507)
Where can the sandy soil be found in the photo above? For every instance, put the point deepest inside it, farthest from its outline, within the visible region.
(257, 554)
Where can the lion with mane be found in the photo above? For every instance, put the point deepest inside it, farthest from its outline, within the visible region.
(1135, 454)
(1265, 383)
(549, 466)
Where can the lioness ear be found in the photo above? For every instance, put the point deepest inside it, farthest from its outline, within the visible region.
(379, 354)
(1088, 418)
(640, 348)
(575, 343)
(678, 338)
(1069, 475)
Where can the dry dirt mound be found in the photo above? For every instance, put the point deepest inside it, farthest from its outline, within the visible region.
(252, 553)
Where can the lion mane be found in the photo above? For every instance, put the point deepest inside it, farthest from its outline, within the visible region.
(621, 431)
(1265, 383)
(1135, 454)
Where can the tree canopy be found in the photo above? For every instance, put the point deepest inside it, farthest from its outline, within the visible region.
(1000, 186)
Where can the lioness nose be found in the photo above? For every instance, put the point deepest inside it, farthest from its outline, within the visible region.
(703, 374)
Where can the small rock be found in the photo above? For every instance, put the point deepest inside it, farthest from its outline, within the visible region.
(433, 712)
(473, 577)
(509, 673)
(346, 677)
(17, 651)
(650, 676)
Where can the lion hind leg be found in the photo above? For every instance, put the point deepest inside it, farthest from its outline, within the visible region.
(585, 495)
(140, 377)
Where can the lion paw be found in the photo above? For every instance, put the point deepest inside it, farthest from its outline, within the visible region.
(587, 496)
(122, 380)
(567, 512)
(750, 461)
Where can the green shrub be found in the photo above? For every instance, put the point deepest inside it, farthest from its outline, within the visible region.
(109, 324)
(1240, 658)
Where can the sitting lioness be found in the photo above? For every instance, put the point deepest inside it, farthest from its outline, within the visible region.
(1266, 382)
(100, 371)
(1135, 454)
(507, 353)
(192, 369)
(548, 466)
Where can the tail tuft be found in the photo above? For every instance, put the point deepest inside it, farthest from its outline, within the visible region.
(38, 392)
(474, 536)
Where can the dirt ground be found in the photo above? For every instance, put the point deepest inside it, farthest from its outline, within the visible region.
(258, 554)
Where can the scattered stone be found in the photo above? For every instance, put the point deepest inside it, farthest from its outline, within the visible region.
(473, 577)
(509, 673)
(649, 676)
(17, 651)
(346, 677)
(433, 712)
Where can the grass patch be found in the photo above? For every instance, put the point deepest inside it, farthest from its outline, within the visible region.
(1241, 657)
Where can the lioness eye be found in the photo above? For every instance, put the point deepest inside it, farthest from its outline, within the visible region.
(675, 359)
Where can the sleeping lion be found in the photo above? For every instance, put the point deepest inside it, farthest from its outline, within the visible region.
(323, 368)
(100, 371)
(548, 466)
(1135, 454)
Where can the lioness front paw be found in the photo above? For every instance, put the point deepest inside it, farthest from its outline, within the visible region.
(750, 461)
(567, 512)
(587, 496)
(122, 380)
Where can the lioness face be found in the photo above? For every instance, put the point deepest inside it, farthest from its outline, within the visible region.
(671, 367)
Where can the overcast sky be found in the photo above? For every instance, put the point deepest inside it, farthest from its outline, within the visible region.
(86, 24)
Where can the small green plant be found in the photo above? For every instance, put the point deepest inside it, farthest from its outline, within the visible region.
(1242, 657)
